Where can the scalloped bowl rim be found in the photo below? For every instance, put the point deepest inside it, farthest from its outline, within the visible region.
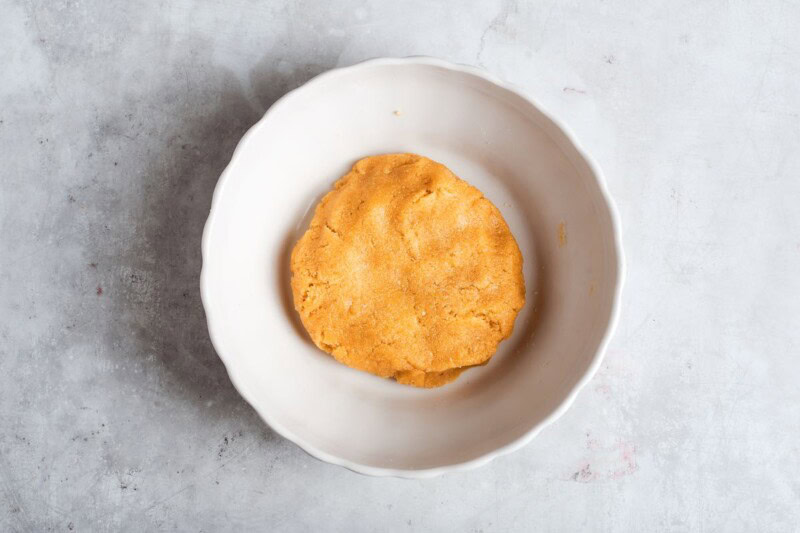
(554, 123)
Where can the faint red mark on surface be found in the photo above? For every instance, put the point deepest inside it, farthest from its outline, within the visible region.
(603, 389)
(627, 456)
(574, 90)
(99, 290)
(606, 463)
(93, 265)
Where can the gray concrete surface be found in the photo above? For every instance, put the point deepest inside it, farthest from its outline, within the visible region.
(116, 119)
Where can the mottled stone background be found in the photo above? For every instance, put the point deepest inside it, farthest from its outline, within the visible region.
(116, 118)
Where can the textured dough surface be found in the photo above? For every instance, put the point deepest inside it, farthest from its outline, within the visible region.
(407, 272)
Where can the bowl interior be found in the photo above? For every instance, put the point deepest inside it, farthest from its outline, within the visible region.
(489, 136)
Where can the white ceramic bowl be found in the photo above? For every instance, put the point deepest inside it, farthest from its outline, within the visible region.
(489, 134)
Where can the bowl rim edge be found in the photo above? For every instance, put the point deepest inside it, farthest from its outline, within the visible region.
(529, 435)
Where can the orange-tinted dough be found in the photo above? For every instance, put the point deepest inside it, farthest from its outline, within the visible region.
(407, 272)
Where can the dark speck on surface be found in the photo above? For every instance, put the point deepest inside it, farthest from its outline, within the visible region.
(99, 291)
(584, 474)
